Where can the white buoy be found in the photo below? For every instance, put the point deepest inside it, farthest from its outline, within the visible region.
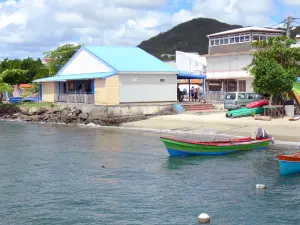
(261, 186)
(203, 218)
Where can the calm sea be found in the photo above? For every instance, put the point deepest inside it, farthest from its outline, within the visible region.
(55, 174)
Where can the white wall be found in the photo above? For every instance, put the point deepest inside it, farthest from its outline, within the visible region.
(84, 62)
(227, 63)
(190, 64)
(148, 88)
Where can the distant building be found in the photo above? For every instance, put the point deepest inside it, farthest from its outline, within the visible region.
(189, 63)
(297, 45)
(228, 53)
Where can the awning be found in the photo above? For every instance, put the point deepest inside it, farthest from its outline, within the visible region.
(189, 75)
(87, 76)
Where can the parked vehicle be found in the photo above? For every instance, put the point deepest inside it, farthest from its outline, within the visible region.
(236, 100)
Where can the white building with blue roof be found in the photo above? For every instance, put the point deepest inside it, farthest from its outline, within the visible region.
(105, 75)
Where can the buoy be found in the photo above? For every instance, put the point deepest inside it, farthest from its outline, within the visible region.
(103, 166)
(203, 218)
(261, 186)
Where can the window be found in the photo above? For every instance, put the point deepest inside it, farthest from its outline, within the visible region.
(231, 40)
(251, 96)
(226, 41)
(221, 41)
(230, 96)
(162, 80)
(242, 85)
(134, 78)
(216, 42)
(237, 39)
(242, 38)
(242, 96)
(262, 37)
(255, 37)
(247, 38)
(259, 96)
(212, 42)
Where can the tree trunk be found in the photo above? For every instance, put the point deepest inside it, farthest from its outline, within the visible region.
(1, 97)
(271, 99)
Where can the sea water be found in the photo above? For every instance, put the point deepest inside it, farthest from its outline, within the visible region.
(55, 174)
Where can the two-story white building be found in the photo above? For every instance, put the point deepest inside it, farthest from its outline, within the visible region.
(229, 52)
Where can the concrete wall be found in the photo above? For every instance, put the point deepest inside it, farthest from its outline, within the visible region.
(148, 88)
(85, 62)
(125, 109)
(227, 63)
(48, 91)
(107, 91)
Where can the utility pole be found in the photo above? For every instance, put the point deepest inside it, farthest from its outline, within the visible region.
(288, 26)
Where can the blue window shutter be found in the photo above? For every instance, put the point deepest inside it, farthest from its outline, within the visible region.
(93, 87)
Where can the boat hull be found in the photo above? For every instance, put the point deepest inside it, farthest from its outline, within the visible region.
(289, 164)
(289, 167)
(184, 148)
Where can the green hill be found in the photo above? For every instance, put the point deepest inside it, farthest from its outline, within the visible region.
(189, 36)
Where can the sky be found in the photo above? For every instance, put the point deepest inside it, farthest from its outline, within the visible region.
(30, 27)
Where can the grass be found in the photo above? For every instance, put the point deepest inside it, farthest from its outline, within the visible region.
(34, 104)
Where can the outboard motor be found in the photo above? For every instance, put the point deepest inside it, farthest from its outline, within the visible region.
(262, 134)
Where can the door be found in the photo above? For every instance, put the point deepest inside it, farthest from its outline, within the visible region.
(41, 92)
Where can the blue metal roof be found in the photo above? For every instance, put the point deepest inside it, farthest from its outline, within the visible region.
(77, 77)
(189, 75)
(129, 59)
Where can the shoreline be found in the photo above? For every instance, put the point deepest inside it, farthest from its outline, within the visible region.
(281, 129)
(294, 144)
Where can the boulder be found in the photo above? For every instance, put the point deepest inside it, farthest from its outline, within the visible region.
(32, 111)
(41, 111)
(24, 111)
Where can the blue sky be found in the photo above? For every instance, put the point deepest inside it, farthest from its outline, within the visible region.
(31, 27)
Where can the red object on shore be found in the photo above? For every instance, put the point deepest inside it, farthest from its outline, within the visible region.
(258, 104)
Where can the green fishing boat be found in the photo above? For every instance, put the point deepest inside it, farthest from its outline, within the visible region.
(177, 147)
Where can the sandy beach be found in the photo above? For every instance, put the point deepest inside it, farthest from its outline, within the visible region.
(281, 129)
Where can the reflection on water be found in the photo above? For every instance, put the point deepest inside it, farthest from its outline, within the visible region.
(53, 174)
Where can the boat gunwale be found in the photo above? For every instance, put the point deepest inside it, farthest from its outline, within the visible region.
(233, 142)
(289, 158)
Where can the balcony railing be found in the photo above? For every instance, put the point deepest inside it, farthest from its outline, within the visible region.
(75, 98)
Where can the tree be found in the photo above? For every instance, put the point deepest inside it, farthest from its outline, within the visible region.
(32, 66)
(4, 87)
(274, 66)
(60, 56)
(14, 76)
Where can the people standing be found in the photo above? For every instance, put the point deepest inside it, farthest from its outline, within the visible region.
(192, 93)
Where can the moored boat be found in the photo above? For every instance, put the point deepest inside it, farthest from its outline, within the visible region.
(289, 164)
(177, 147)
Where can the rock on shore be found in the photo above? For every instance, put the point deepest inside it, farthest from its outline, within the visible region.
(68, 115)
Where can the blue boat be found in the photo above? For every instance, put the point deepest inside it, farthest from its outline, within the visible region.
(289, 164)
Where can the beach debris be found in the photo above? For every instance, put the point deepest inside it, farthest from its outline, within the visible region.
(265, 118)
(203, 218)
(261, 186)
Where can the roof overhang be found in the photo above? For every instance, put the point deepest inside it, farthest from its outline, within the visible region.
(147, 73)
(246, 29)
(76, 77)
(189, 75)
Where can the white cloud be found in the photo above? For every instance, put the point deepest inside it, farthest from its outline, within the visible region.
(140, 3)
(30, 27)
(292, 2)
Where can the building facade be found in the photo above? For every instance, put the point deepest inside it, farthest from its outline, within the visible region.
(109, 76)
(229, 52)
